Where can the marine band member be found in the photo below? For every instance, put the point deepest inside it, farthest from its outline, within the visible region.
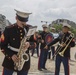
(65, 60)
(12, 36)
(43, 52)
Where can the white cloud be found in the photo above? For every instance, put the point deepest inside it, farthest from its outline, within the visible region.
(47, 10)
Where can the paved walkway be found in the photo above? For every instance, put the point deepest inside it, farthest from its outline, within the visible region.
(36, 73)
(50, 65)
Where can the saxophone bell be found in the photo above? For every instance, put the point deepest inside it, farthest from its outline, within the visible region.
(26, 57)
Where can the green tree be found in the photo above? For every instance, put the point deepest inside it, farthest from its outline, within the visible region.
(73, 30)
(57, 27)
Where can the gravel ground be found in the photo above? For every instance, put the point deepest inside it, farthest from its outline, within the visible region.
(49, 65)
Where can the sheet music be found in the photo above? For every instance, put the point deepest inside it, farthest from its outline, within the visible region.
(31, 31)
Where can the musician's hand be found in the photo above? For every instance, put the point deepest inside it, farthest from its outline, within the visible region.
(42, 41)
(46, 47)
(15, 58)
(63, 45)
(73, 40)
(39, 36)
(27, 45)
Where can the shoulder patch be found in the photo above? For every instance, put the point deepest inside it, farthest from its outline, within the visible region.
(2, 37)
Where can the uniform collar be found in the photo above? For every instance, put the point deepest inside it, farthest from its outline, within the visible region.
(19, 26)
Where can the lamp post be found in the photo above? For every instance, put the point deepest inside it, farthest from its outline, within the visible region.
(44, 22)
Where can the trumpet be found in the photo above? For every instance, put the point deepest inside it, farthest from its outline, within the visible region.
(69, 39)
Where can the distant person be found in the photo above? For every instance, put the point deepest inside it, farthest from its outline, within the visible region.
(52, 48)
(35, 38)
(43, 52)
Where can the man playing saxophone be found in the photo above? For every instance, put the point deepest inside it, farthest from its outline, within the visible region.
(11, 39)
(62, 53)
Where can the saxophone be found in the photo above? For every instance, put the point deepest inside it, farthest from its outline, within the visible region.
(22, 55)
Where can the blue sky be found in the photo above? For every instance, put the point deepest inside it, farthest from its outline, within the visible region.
(42, 10)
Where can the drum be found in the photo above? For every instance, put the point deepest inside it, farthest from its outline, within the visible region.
(48, 38)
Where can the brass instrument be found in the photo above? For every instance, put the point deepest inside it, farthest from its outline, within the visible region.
(62, 53)
(71, 36)
(22, 55)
